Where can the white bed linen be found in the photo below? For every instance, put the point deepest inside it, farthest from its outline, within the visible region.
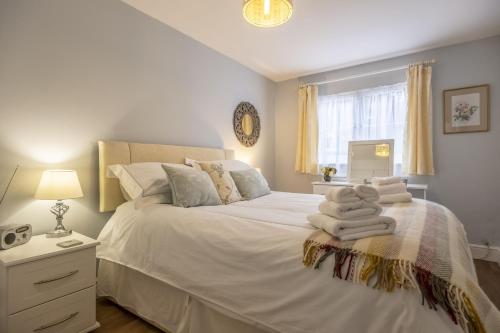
(247, 258)
(164, 306)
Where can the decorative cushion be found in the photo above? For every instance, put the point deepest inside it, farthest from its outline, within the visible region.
(229, 165)
(224, 183)
(250, 183)
(191, 187)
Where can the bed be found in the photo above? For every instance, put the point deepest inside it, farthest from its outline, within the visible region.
(237, 267)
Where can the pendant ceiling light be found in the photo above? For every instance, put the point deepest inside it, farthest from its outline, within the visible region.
(267, 13)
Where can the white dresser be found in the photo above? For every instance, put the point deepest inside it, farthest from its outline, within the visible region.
(46, 289)
(323, 187)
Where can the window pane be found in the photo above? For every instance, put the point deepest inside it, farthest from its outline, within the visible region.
(369, 114)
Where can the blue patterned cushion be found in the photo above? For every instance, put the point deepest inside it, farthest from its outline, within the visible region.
(250, 183)
(191, 188)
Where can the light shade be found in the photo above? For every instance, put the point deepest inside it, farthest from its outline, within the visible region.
(267, 13)
(59, 185)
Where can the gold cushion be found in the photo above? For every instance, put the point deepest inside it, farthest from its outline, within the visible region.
(224, 183)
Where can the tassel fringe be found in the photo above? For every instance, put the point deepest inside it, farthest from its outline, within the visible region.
(389, 274)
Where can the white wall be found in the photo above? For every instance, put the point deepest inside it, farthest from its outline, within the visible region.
(76, 71)
(467, 165)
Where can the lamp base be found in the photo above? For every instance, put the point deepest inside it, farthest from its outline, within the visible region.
(58, 233)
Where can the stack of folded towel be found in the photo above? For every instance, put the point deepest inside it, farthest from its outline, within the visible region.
(351, 213)
(391, 189)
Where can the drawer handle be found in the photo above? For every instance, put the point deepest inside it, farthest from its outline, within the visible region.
(59, 277)
(57, 322)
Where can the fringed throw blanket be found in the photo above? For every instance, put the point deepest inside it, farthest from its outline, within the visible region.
(428, 252)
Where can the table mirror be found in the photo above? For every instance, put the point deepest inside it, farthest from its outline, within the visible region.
(368, 159)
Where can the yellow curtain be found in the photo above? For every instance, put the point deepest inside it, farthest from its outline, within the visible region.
(418, 158)
(306, 160)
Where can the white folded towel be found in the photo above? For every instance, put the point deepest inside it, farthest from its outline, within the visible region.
(386, 180)
(351, 210)
(367, 193)
(394, 198)
(342, 195)
(354, 229)
(391, 188)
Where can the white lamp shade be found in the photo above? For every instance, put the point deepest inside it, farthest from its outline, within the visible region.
(59, 185)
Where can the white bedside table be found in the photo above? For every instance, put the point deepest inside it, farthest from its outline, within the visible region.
(46, 289)
(323, 187)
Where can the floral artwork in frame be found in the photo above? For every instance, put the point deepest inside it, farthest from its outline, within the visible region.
(466, 110)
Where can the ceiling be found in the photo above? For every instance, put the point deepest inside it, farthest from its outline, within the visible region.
(327, 34)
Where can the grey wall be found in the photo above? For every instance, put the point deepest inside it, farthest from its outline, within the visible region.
(467, 165)
(73, 72)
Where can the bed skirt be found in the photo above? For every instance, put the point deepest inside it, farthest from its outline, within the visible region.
(166, 307)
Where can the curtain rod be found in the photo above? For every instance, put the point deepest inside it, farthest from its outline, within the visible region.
(388, 70)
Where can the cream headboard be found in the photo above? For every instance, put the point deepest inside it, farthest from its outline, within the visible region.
(117, 152)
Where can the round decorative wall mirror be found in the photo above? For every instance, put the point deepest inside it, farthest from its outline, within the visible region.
(246, 124)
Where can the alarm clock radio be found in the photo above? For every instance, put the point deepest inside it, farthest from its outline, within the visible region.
(14, 234)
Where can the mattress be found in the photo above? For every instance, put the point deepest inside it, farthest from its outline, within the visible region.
(245, 261)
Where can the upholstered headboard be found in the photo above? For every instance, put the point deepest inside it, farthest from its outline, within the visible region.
(117, 152)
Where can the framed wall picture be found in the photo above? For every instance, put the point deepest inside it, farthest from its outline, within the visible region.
(466, 110)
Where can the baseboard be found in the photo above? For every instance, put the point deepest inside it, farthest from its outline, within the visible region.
(482, 252)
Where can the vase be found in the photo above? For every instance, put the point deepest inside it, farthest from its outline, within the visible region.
(327, 178)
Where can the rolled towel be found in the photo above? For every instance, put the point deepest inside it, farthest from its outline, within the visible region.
(354, 229)
(391, 188)
(395, 198)
(367, 193)
(342, 195)
(348, 211)
(386, 180)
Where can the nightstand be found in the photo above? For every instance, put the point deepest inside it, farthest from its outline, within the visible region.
(46, 289)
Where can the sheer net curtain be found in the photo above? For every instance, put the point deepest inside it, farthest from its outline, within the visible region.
(369, 114)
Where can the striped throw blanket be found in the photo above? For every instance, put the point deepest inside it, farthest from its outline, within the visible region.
(428, 252)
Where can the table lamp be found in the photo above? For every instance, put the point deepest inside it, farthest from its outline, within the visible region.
(59, 185)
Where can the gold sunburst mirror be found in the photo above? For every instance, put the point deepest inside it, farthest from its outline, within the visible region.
(246, 124)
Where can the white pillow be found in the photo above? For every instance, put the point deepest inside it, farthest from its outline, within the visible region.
(163, 198)
(141, 179)
(228, 165)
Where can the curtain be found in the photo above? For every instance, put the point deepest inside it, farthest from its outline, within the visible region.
(418, 140)
(369, 114)
(306, 159)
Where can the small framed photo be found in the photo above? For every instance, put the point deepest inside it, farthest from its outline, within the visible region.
(466, 110)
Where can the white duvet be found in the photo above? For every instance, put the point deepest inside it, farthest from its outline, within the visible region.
(247, 258)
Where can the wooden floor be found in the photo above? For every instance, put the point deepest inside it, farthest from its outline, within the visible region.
(488, 274)
(114, 319)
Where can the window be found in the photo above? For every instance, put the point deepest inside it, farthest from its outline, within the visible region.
(369, 114)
